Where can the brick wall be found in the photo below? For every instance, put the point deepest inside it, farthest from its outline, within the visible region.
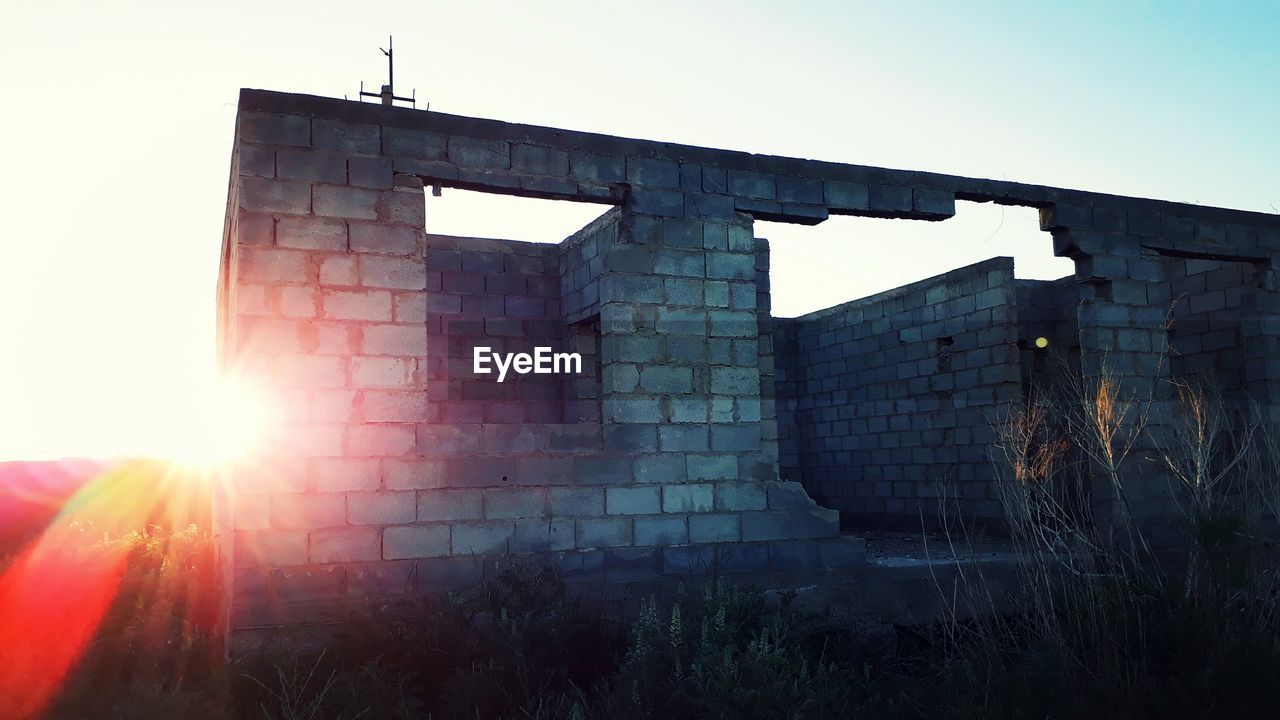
(1047, 309)
(889, 399)
(1207, 306)
(505, 296)
(328, 293)
(398, 469)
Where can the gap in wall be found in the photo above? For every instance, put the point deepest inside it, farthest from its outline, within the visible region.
(508, 296)
(846, 258)
(468, 213)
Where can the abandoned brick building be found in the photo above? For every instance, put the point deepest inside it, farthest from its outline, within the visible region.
(702, 435)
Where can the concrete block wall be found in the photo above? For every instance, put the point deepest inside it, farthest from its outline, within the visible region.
(890, 399)
(505, 296)
(1209, 299)
(325, 294)
(581, 266)
(399, 470)
(1047, 309)
(1129, 258)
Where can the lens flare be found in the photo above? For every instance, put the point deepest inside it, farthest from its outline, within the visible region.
(229, 423)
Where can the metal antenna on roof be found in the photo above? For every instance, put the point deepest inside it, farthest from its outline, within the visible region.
(388, 94)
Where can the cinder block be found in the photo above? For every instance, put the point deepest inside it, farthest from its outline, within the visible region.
(392, 273)
(415, 541)
(752, 184)
(510, 503)
(714, 528)
(735, 381)
(257, 160)
(273, 129)
(357, 138)
(449, 439)
(382, 372)
(630, 439)
(682, 438)
(479, 153)
(395, 340)
(713, 467)
(344, 474)
(272, 266)
(394, 407)
(345, 545)
(352, 305)
(576, 501)
(661, 530)
(742, 557)
(714, 208)
(632, 288)
(737, 496)
(688, 559)
(298, 302)
(311, 583)
(409, 307)
(688, 498)
(799, 189)
(889, 198)
(338, 271)
(631, 564)
(846, 196)
(311, 440)
(385, 239)
(731, 266)
(311, 166)
(690, 409)
(483, 538)
(381, 578)
(937, 203)
(602, 469)
(255, 229)
(370, 172)
(345, 202)
(445, 505)
(660, 468)
(534, 160)
(662, 203)
(642, 500)
(602, 168)
(603, 532)
(641, 409)
(536, 536)
(269, 548)
(413, 474)
(403, 142)
(311, 233)
(741, 437)
(402, 206)
(389, 440)
(653, 172)
(308, 511)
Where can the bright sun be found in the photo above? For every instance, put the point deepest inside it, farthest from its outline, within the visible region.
(226, 421)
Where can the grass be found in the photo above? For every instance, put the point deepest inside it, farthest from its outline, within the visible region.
(1108, 621)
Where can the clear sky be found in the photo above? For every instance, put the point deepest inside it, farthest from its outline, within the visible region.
(118, 121)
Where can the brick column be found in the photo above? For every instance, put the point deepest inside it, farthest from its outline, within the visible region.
(1260, 335)
(327, 312)
(1122, 320)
